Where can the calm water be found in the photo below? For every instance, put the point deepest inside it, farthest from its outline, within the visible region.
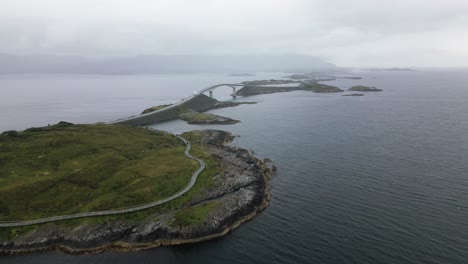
(376, 179)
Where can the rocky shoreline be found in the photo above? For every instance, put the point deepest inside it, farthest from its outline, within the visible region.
(192, 116)
(239, 192)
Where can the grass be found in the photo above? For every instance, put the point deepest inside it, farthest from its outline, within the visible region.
(178, 165)
(70, 169)
(362, 88)
(194, 215)
(154, 108)
(321, 88)
(197, 117)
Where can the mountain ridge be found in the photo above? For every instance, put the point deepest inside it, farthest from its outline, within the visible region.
(150, 64)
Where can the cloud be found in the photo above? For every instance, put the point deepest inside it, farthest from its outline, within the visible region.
(358, 32)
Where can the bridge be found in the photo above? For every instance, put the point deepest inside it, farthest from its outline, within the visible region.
(140, 120)
(212, 88)
(194, 102)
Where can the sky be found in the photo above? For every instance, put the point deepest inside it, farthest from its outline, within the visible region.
(395, 33)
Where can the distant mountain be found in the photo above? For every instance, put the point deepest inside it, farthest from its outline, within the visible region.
(388, 69)
(40, 63)
(160, 64)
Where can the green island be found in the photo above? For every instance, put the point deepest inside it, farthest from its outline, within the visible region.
(154, 108)
(66, 169)
(353, 94)
(254, 88)
(362, 88)
(205, 118)
(194, 113)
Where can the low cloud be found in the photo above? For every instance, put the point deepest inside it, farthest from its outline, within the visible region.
(349, 33)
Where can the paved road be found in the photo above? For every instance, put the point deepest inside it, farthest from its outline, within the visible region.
(198, 93)
(119, 211)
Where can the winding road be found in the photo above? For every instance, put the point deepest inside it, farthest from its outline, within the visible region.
(119, 211)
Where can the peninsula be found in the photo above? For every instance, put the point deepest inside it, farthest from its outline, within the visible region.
(144, 188)
(89, 188)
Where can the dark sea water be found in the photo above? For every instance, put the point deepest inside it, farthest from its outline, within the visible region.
(381, 178)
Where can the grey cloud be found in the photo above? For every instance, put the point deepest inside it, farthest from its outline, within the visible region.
(358, 32)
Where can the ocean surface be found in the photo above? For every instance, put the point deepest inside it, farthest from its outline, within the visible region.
(381, 178)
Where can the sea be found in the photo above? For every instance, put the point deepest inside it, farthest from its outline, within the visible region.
(381, 178)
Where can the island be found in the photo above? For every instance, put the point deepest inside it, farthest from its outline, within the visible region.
(362, 88)
(154, 108)
(123, 188)
(269, 82)
(349, 77)
(204, 103)
(199, 102)
(320, 77)
(254, 89)
(300, 76)
(193, 117)
(240, 74)
(394, 69)
(353, 94)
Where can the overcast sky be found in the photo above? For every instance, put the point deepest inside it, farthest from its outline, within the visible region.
(344, 32)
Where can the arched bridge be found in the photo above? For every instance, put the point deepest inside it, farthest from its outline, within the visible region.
(212, 88)
(194, 102)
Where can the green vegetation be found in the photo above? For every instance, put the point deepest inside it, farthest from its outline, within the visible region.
(65, 169)
(362, 88)
(203, 118)
(306, 86)
(321, 88)
(121, 138)
(122, 135)
(300, 76)
(194, 215)
(197, 117)
(353, 94)
(154, 108)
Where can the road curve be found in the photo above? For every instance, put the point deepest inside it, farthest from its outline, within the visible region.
(198, 93)
(119, 211)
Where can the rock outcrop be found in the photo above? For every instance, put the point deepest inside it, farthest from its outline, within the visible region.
(238, 193)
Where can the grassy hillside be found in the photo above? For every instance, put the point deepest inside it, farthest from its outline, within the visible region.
(66, 169)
